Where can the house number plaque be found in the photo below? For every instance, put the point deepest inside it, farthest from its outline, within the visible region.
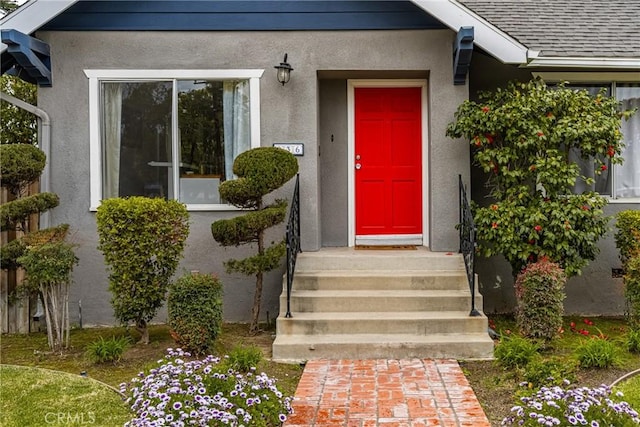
(295, 148)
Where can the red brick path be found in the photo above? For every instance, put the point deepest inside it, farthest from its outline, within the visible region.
(385, 393)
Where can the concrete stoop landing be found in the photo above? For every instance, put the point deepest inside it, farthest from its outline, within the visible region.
(380, 304)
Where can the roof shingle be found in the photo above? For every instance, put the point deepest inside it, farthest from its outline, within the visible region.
(567, 28)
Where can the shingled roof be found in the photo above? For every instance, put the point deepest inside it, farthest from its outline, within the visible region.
(567, 28)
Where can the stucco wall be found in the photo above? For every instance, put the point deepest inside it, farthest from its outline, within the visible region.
(289, 113)
(595, 292)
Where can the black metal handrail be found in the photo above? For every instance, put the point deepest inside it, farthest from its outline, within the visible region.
(468, 243)
(292, 237)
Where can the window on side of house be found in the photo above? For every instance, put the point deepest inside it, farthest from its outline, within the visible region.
(617, 181)
(627, 176)
(170, 137)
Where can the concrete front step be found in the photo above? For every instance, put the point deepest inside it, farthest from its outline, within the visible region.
(350, 259)
(300, 348)
(380, 280)
(405, 322)
(350, 303)
(379, 300)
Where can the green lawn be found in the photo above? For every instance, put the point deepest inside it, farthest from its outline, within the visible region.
(38, 397)
(631, 389)
(67, 403)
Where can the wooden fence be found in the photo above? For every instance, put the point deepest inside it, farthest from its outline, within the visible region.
(16, 312)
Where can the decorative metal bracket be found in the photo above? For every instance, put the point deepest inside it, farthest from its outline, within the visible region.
(26, 57)
(462, 51)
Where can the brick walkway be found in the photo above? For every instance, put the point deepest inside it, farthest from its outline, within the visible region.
(389, 393)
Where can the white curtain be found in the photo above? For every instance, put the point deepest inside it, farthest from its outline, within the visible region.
(112, 134)
(237, 127)
(627, 175)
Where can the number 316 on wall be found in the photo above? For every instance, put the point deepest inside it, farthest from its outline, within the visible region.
(295, 148)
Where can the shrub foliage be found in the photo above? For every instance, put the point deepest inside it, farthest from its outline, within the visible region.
(260, 171)
(109, 350)
(195, 311)
(142, 240)
(540, 296)
(515, 352)
(21, 165)
(522, 137)
(49, 267)
(627, 239)
(627, 236)
(47, 260)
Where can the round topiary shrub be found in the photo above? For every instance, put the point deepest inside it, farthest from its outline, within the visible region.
(540, 296)
(195, 311)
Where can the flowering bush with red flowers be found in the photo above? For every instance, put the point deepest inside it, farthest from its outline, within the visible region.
(521, 137)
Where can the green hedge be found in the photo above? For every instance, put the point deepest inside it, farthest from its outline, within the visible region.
(628, 235)
(632, 289)
(20, 165)
(142, 240)
(195, 311)
(540, 296)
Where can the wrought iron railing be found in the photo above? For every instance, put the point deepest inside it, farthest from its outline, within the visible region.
(468, 243)
(293, 240)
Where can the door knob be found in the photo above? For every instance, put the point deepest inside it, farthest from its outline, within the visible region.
(358, 165)
(357, 156)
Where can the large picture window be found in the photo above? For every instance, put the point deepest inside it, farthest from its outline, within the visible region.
(618, 181)
(175, 137)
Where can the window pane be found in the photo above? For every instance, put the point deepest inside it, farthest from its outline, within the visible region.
(602, 182)
(627, 175)
(214, 127)
(136, 139)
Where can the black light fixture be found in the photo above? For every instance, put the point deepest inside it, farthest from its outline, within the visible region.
(284, 71)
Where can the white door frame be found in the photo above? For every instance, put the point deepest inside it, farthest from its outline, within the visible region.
(351, 85)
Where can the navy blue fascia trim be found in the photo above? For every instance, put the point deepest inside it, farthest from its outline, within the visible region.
(241, 15)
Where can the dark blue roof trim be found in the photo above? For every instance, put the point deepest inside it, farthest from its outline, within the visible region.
(26, 57)
(241, 15)
(462, 51)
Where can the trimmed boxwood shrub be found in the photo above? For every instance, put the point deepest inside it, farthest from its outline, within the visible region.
(632, 290)
(628, 243)
(195, 311)
(628, 235)
(142, 240)
(21, 165)
(540, 295)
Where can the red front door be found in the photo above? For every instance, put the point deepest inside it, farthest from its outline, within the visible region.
(388, 161)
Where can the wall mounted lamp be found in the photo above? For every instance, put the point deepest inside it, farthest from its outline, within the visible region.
(284, 71)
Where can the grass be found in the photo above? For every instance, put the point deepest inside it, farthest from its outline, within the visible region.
(631, 390)
(36, 397)
(31, 351)
(494, 385)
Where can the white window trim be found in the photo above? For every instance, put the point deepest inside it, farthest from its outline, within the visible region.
(95, 149)
(608, 77)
